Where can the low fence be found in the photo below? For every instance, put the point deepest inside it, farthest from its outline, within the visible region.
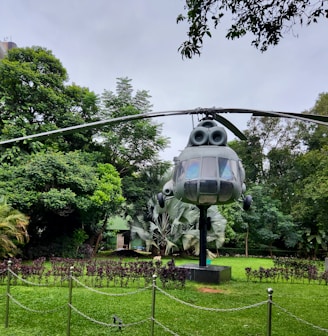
(118, 322)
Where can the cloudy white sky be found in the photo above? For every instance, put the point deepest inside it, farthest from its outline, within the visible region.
(100, 40)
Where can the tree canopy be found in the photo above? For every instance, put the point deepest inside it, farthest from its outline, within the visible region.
(286, 171)
(61, 193)
(267, 21)
(70, 185)
(35, 98)
(133, 147)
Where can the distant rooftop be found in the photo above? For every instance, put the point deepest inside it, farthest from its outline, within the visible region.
(5, 46)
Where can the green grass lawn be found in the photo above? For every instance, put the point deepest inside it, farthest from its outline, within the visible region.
(307, 301)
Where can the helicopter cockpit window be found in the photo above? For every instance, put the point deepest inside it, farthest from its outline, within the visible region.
(209, 167)
(228, 169)
(192, 169)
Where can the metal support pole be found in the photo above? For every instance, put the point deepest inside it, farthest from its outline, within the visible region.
(70, 288)
(8, 293)
(202, 234)
(269, 317)
(153, 306)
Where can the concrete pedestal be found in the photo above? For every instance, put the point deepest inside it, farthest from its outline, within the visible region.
(326, 264)
(208, 274)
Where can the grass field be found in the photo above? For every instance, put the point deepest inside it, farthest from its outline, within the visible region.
(308, 302)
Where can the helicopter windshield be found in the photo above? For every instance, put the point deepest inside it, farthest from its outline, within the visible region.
(208, 167)
(192, 169)
(228, 169)
(207, 179)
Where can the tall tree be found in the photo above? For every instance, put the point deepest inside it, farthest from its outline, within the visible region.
(310, 187)
(283, 175)
(310, 208)
(35, 98)
(288, 160)
(267, 21)
(133, 147)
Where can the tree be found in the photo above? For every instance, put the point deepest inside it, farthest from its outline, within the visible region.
(267, 21)
(234, 235)
(250, 153)
(315, 136)
(265, 224)
(35, 98)
(133, 147)
(62, 193)
(309, 183)
(107, 198)
(13, 229)
(287, 160)
(311, 198)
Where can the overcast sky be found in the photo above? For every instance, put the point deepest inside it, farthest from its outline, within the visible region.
(100, 40)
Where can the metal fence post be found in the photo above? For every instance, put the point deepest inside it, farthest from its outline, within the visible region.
(153, 306)
(8, 293)
(269, 317)
(70, 288)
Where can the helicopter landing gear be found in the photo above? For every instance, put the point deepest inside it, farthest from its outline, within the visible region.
(203, 222)
(247, 202)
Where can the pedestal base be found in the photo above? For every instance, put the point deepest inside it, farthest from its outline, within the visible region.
(208, 274)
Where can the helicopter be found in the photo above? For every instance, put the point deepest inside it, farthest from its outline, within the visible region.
(207, 172)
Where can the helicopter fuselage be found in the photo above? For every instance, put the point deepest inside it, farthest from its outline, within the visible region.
(208, 175)
(207, 171)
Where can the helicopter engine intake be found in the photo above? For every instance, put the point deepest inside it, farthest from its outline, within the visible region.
(208, 133)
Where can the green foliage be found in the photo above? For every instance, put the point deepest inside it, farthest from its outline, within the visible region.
(64, 192)
(315, 137)
(35, 98)
(310, 207)
(61, 193)
(288, 161)
(13, 229)
(264, 225)
(108, 194)
(267, 223)
(175, 227)
(58, 200)
(134, 145)
(266, 21)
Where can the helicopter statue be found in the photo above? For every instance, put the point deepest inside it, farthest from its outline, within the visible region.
(207, 172)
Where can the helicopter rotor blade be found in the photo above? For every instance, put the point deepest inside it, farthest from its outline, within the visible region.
(230, 126)
(315, 118)
(318, 119)
(81, 127)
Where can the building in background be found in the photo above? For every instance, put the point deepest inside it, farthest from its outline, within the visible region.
(5, 46)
